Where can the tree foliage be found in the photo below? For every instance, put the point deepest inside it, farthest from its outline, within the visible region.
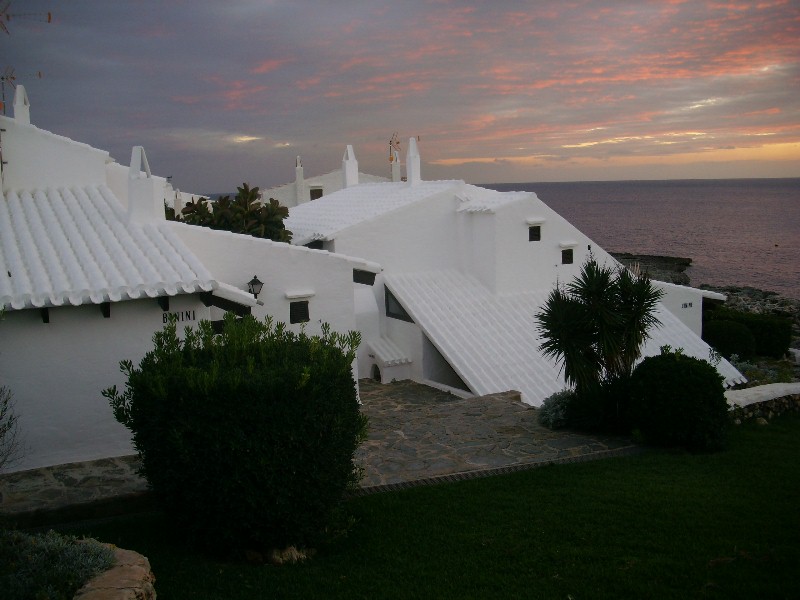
(10, 447)
(246, 437)
(244, 213)
(596, 325)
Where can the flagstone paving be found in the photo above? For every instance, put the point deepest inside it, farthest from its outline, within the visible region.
(417, 435)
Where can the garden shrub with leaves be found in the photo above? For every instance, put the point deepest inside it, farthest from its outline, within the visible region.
(48, 565)
(729, 338)
(246, 437)
(554, 411)
(772, 334)
(10, 445)
(244, 213)
(679, 400)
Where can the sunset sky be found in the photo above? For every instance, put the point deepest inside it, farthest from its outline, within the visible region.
(224, 92)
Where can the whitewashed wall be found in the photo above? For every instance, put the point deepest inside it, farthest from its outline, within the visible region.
(284, 269)
(685, 303)
(416, 237)
(329, 182)
(42, 159)
(57, 370)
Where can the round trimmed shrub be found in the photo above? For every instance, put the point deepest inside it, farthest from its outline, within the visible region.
(729, 338)
(678, 400)
(247, 438)
(554, 411)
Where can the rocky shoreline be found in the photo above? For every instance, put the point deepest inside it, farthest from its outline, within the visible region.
(671, 269)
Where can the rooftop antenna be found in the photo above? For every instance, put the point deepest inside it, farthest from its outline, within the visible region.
(9, 77)
(394, 144)
(6, 16)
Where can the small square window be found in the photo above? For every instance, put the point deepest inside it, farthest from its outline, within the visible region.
(535, 233)
(298, 312)
(566, 256)
(315, 193)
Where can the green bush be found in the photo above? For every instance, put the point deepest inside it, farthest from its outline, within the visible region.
(554, 411)
(48, 565)
(247, 437)
(678, 400)
(10, 447)
(729, 338)
(772, 334)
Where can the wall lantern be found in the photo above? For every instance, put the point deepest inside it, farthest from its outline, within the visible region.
(254, 286)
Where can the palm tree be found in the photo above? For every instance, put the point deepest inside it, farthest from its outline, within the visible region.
(596, 325)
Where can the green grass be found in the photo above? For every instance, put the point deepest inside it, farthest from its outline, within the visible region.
(659, 525)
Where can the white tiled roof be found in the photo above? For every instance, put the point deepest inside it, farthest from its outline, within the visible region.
(75, 246)
(325, 217)
(478, 199)
(492, 341)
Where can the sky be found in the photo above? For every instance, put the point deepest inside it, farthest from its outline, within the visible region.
(230, 91)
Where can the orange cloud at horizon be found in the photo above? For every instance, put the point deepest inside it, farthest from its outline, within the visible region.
(781, 152)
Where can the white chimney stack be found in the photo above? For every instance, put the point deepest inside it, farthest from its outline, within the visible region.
(413, 163)
(349, 168)
(299, 183)
(22, 107)
(145, 197)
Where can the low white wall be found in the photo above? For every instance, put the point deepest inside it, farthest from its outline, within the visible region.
(57, 370)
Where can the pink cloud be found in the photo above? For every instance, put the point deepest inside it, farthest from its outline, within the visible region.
(269, 65)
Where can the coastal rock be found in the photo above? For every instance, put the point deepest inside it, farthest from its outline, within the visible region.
(671, 269)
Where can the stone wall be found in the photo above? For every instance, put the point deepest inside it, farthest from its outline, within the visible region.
(763, 412)
(129, 579)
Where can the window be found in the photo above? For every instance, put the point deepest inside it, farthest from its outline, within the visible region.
(298, 312)
(535, 233)
(393, 308)
(315, 245)
(566, 256)
(316, 193)
(365, 277)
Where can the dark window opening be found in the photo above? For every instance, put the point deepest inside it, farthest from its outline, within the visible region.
(535, 233)
(566, 256)
(316, 193)
(365, 277)
(393, 308)
(298, 312)
(315, 245)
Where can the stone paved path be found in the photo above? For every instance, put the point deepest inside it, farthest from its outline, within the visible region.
(417, 435)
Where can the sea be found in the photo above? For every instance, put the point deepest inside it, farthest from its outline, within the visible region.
(738, 232)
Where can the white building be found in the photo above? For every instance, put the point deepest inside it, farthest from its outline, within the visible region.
(303, 189)
(90, 269)
(465, 269)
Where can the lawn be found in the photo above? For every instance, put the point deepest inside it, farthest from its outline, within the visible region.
(658, 525)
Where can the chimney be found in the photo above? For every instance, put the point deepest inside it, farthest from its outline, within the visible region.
(349, 168)
(22, 107)
(412, 163)
(300, 195)
(145, 197)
